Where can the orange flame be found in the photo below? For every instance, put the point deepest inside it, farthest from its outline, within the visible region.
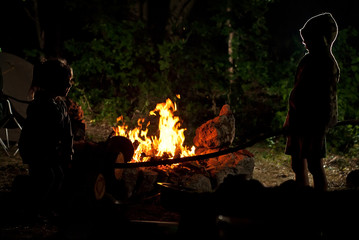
(171, 138)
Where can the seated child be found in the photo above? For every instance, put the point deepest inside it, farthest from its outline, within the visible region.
(46, 140)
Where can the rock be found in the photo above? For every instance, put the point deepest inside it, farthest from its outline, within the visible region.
(352, 179)
(217, 132)
(146, 181)
(238, 163)
(198, 182)
(129, 179)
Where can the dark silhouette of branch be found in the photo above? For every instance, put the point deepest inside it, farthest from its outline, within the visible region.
(219, 153)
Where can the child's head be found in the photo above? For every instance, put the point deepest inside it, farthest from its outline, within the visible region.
(319, 31)
(53, 76)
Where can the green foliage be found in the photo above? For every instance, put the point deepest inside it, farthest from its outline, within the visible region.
(346, 50)
(261, 83)
(114, 68)
(281, 81)
(121, 70)
(344, 140)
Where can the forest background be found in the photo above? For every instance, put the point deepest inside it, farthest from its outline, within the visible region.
(127, 56)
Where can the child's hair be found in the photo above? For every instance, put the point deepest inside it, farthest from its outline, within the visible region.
(52, 75)
(320, 28)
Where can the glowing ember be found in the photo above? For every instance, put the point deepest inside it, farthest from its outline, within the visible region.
(169, 144)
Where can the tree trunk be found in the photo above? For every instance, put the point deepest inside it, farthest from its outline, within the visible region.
(34, 16)
(230, 57)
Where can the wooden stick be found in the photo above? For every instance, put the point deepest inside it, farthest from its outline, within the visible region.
(199, 157)
(219, 153)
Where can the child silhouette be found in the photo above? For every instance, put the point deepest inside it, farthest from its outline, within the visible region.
(313, 101)
(46, 140)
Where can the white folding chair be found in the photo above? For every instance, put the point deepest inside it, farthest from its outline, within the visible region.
(9, 119)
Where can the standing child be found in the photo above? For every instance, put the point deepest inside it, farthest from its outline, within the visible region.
(46, 141)
(313, 101)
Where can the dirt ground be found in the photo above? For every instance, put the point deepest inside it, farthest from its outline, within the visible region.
(272, 168)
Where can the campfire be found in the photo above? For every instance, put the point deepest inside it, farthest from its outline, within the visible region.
(202, 176)
(171, 138)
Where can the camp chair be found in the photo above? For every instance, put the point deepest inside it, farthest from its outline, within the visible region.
(9, 119)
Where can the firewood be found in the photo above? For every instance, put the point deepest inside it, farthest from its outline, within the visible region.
(99, 187)
(118, 171)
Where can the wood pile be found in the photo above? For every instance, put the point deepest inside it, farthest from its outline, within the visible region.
(201, 176)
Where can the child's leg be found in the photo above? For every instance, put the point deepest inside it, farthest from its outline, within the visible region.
(315, 166)
(299, 166)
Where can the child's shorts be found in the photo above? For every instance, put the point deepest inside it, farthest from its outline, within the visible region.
(306, 146)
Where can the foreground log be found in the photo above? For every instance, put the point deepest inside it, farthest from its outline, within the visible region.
(92, 170)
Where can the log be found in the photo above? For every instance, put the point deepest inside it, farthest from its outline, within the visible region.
(99, 187)
(92, 169)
